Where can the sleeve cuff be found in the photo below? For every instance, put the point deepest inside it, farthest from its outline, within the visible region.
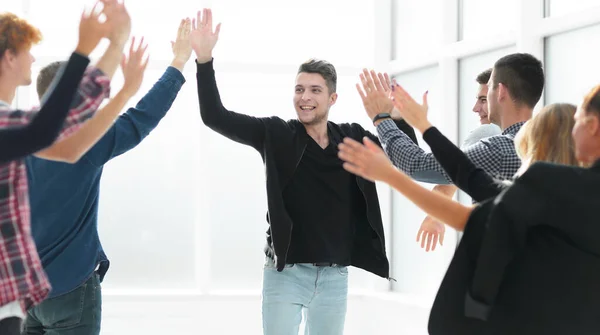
(204, 67)
(174, 74)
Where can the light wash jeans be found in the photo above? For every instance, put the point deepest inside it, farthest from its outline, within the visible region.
(322, 292)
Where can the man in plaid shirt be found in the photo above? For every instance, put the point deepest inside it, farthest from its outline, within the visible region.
(23, 282)
(515, 87)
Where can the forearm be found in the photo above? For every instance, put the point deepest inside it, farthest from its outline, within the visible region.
(45, 125)
(110, 60)
(447, 190)
(72, 148)
(408, 156)
(433, 203)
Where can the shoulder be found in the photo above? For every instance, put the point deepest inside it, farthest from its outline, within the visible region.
(354, 130)
(482, 132)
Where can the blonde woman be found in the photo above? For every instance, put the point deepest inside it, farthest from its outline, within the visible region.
(529, 259)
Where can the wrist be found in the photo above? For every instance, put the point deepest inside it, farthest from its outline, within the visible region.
(423, 126)
(203, 58)
(83, 49)
(179, 64)
(377, 119)
(125, 93)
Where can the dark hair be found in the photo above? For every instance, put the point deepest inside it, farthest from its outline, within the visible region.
(484, 77)
(523, 76)
(324, 68)
(46, 76)
(591, 102)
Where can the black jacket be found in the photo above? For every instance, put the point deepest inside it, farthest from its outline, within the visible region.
(529, 261)
(281, 145)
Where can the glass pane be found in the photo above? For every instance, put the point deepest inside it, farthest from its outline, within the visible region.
(469, 68)
(416, 271)
(417, 25)
(563, 7)
(148, 217)
(284, 32)
(478, 20)
(572, 65)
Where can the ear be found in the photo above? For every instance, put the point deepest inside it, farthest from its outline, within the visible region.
(593, 125)
(332, 99)
(502, 92)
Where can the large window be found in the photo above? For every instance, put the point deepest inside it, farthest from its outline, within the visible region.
(563, 7)
(572, 65)
(485, 18)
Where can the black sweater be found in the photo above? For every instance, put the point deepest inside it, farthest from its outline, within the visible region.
(474, 181)
(42, 131)
(281, 145)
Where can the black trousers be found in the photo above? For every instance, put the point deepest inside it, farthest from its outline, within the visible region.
(11, 326)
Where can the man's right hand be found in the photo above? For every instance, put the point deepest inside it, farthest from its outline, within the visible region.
(374, 93)
(91, 30)
(431, 232)
(202, 36)
(133, 68)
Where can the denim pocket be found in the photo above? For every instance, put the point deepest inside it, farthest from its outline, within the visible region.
(342, 270)
(65, 310)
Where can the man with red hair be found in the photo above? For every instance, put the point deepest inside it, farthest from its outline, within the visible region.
(23, 282)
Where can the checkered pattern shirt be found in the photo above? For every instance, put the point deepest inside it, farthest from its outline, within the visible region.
(22, 277)
(496, 155)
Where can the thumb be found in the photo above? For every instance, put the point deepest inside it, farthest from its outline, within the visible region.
(425, 104)
(372, 146)
(123, 61)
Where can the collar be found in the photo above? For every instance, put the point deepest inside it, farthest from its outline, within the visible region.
(512, 130)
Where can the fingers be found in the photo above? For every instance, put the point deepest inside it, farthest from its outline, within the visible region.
(419, 233)
(371, 145)
(367, 81)
(123, 62)
(181, 27)
(442, 234)
(387, 81)
(375, 80)
(209, 19)
(194, 24)
(217, 30)
(424, 239)
(429, 238)
(132, 45)
(434, 242)
(361, 93)
(425, 104)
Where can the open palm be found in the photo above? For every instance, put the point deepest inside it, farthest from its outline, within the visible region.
(202, 36)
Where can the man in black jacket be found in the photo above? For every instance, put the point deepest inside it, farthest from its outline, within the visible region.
(321, 218)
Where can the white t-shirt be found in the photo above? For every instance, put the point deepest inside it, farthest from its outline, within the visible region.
(11, 310)
(481, 132)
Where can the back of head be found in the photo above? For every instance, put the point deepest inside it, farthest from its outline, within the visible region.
(591, 102)
(16, 34)
(324, 68)
(523, 76)
(46, 76)
(547, 136)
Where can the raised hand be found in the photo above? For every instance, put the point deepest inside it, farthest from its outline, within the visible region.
(431, 232)
(375, 93)
(410, 110)
(182, 47)
(134, 67)
(368, 160)
(202, 36)
(119, 19)
(91, 30)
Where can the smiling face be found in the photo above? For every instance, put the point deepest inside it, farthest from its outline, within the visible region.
(481, 105)
(312, 98)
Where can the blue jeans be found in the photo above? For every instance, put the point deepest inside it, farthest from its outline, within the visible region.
(322, 292)
(75, 313)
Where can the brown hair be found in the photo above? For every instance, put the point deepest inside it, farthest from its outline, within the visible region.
(16, 34)
(591, 102)
(547, 137)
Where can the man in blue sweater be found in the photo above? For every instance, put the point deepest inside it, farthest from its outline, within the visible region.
(64, 201)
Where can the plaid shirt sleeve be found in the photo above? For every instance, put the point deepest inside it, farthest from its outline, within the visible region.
(495, 155)
(93, 89)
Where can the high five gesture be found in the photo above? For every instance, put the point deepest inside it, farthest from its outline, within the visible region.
(202, 37)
